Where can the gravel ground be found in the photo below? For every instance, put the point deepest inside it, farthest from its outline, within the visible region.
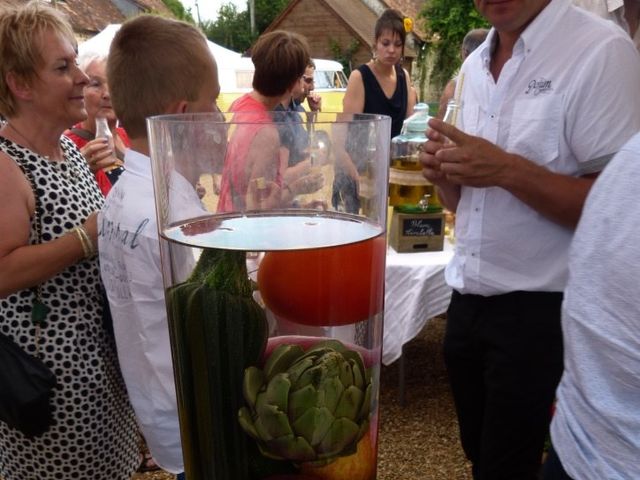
(420, 440)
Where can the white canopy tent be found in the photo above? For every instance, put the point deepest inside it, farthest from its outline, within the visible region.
(100, 43)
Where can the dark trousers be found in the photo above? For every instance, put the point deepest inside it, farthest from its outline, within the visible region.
(553, 469)
(504, 358)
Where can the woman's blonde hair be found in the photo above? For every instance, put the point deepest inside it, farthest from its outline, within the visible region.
(21, 28)
(151, 65)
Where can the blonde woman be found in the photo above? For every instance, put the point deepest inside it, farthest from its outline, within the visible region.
(48, 265)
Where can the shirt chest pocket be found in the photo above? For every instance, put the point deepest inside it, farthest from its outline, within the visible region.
(535, 128)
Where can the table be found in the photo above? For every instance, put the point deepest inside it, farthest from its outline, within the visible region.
(415, 291)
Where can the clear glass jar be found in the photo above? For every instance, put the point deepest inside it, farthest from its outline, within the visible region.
(406, 183)
(274, 300)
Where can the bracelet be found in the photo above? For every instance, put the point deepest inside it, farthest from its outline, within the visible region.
(87, 245)
(91, 249)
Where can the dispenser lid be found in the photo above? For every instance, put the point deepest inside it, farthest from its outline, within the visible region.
(418, 122)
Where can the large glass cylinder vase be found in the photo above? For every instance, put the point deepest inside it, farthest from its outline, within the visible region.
(273, 252)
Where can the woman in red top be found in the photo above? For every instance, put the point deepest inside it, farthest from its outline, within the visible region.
(255, 176)
(105, 163)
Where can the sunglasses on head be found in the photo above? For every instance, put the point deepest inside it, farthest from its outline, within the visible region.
(307, 79)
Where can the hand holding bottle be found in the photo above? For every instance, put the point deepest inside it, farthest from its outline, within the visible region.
(104, 132)
(99, 154)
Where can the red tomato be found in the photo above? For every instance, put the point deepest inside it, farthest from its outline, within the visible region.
(325, 286)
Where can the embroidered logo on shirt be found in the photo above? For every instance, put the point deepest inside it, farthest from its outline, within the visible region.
(539, 86)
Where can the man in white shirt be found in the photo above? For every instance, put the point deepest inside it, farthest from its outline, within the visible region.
(144, 49)
(625, 13)
(547, 100)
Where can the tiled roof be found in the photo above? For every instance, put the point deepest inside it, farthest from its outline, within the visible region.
(360, 18)
(89, 17)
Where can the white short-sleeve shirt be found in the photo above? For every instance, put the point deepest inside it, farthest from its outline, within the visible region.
(131, 272)
(596, 427)
(567, 100)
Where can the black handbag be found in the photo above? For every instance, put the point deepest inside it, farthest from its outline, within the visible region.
(26, 383)
(26, 388)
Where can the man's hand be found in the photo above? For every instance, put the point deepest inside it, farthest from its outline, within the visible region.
(452, 155)
(429, 160)
(315, 102)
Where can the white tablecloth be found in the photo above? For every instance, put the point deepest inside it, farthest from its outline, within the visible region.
(415, 292)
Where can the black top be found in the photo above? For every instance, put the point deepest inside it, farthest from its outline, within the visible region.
(293, 136)
(375, 100)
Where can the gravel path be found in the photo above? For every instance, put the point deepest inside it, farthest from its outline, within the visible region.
(418, 441)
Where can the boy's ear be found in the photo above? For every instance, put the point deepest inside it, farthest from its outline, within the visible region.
(180, 106)
(183, 106)
(19, 87)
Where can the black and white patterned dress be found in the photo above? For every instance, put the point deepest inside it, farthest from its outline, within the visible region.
(94, 437)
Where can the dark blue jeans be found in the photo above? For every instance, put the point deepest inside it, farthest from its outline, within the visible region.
(553, 469)
(180, 476)
(504, 358)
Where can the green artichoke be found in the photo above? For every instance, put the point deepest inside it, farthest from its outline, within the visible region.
(311, 406)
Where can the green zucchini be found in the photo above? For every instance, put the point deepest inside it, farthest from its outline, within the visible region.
(218, 330)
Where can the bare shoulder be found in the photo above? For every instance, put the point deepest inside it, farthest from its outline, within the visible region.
(13, 183)
(17, 205)
(355, 75)
(264, 144)
(353, 101)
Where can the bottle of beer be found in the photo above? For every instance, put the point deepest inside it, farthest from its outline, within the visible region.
(114, 170)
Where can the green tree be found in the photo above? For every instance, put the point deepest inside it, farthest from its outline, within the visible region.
(446, 23)
(267, 11)
(232, 29)
(344, 55)
(178, 10)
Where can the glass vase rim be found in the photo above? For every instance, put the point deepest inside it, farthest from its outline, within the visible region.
(215, 117)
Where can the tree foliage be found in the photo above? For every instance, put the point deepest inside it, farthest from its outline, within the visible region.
(267, 11)
(178, 10)
(344, 55)
(446, 24)
(232, 29)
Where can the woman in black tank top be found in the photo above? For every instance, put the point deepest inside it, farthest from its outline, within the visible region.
(380, 86)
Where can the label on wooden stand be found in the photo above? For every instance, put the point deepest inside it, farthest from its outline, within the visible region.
(416, 230)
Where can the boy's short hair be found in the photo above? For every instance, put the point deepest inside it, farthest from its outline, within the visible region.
(154, 62)
(21, 28)
(280, 59)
